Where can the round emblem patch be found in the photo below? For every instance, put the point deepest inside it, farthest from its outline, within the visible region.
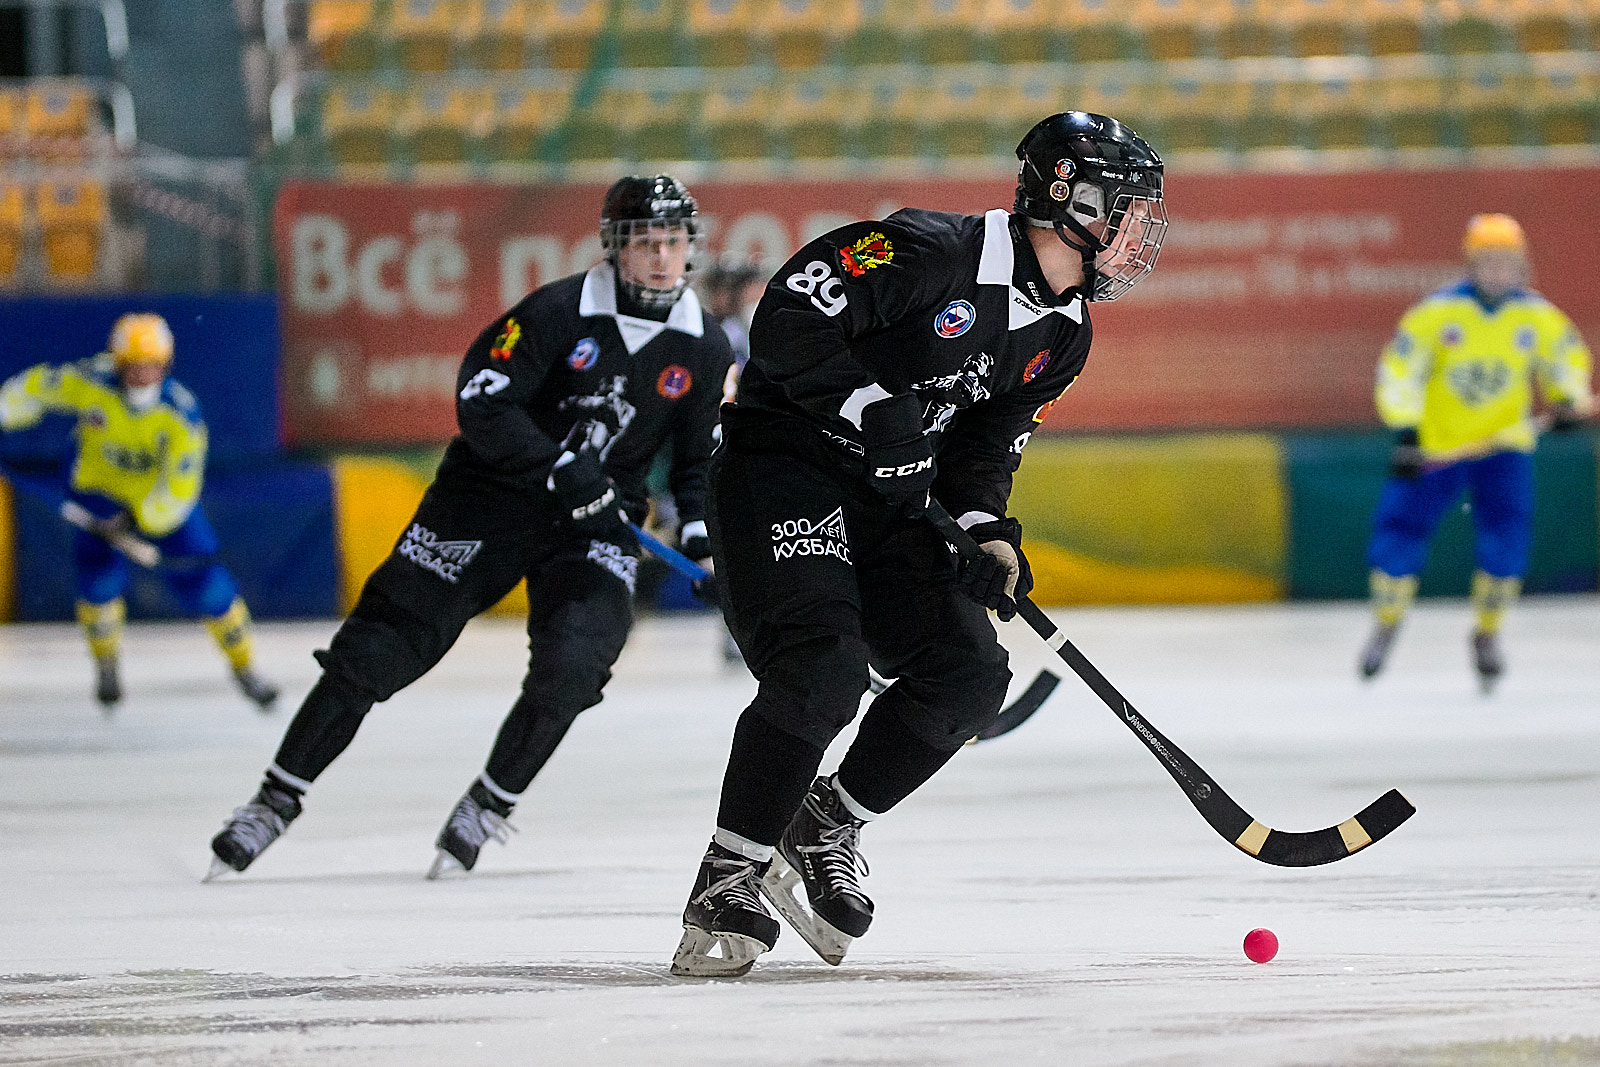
(584, 354)
(1035, 366)
(674, 382)
(1060, 191)
(956, 319)
(1066, 168)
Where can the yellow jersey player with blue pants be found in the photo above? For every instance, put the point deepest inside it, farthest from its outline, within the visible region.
(141, 450)
(1458, 385)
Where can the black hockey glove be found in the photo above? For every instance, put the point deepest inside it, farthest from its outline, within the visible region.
(1001, 576)
(589, 497)
(1405, 461)
(899, 456)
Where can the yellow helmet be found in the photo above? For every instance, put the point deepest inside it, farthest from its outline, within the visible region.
(1493, 233)
(141, 338)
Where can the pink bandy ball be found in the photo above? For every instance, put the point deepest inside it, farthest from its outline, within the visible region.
(1261, 945)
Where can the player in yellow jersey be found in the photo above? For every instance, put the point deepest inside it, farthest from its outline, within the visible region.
(1459, 383)
(141, 450)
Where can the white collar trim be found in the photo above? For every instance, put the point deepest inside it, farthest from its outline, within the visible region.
(599, 297)
(998, 262)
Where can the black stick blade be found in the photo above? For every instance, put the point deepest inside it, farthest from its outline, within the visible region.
(1028, 702)
(1284, 849)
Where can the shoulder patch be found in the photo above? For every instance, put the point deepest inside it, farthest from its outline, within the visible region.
(509, 336)
(1037, 364)
(873, 250)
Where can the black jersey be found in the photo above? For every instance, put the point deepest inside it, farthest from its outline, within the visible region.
(564, 369)
(952, 307)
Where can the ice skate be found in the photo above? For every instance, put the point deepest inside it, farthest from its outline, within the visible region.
(478, 817)
(251, 829)
(1487, 660)
(725, 925)
(259, 692)
(821, 851)
(107, 683)
(1377, 649)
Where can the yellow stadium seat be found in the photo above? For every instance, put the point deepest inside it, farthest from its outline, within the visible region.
(356, 119)
(1411, 110)
(647, 33)
(1472, 26)
(945, 31)
(439, 122)
(809, 115)
(1391, 27)
(804, 33)
(1248, 28)
(571, 28)
(520, 121)
(508, 33)
(13, 228)
(1022, 31)
(1337, 113)
(1273, 116)
(599, 130)
(1564, 97)
(72, 224)
(1490, 99)
(1550, 25)
(343, 33)
(885, 119)
(724, 33)
(1129, 99)
(661, 124)
(878, 33)
(429, 33)
(736, 120)
(958, 114)
(1200, 115)
(1096, 31)
(1316, 27)
(1021, 96)
(58, 117)
(1172, 29)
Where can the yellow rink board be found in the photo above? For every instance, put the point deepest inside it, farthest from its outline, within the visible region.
(374, 499)
(1159, 520)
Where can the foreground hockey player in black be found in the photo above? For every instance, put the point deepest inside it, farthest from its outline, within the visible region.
(889, 359)
(562, 402)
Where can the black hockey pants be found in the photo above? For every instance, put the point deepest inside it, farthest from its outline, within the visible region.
(821, 577)
(463, 551)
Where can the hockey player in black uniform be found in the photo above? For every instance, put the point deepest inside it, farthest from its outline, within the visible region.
(562, 403)
(888, 359)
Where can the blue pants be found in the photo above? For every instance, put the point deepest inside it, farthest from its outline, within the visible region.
(201, 588)
(1501, 488)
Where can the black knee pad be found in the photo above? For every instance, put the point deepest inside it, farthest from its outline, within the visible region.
(947, 708)
(383, 648)
(812, 688)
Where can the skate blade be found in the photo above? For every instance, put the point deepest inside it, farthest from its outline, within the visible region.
(218, 870)
(780, 887)
(445, 866)
(734, 954)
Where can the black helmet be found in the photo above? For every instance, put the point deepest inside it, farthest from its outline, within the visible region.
(1077, 169)
(637, 206)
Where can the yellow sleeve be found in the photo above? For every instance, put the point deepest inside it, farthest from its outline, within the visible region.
(177, 488)
(1403, 370)
(1563, 364)
(27, 396)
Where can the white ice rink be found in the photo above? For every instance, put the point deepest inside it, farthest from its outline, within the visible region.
(1049, 898)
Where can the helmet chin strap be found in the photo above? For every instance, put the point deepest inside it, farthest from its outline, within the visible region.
(1092, 246)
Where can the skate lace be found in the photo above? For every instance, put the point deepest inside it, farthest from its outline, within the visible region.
(838, 852)
(478, 824)
(736, 889)
(255, 826)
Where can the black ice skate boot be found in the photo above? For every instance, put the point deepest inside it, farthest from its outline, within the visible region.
(107, 683)
(258, 691)
(725, 915)
(821, 848)
(479, 816)
(1487, 659)
(253, 827)
(1377, 649)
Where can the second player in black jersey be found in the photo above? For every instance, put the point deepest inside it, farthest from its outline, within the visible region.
(563, 402)
(889, 359)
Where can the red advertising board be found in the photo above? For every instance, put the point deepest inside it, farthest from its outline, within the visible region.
(1272, 298)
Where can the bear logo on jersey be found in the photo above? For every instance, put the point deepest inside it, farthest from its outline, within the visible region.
(584, 354)
(956, 319)
(674, 382)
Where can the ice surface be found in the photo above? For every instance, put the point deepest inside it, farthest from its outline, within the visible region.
(1049, 898)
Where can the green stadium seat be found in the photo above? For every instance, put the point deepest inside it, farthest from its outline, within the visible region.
(957, 112)
(598, 131)
(356, 120)
(802, 34)
(1024, 94)
(1248, 28)
(1391, 27)
(1274, 116)
(520, 121)
(1127, 98)
(1172, 29)
(1468, 27)
(1490, 100)
(878, 33)
(1316, 27)
(1550, 25)
(438, 123)
(663, 122)
(1200, 116)
(724, 33)
(946, 31)
(809, 115)
(648, 33)
(886, 117)
(571, 28)
(736, 120)
(1410, 109)
(508, 33)
(1337, 113)
(428, 34)
(1564, 100)
(1022, 31)
(1096, 31)
(343, 33)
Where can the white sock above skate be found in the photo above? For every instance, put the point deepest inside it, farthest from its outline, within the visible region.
(750, 850)
(851, 804)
